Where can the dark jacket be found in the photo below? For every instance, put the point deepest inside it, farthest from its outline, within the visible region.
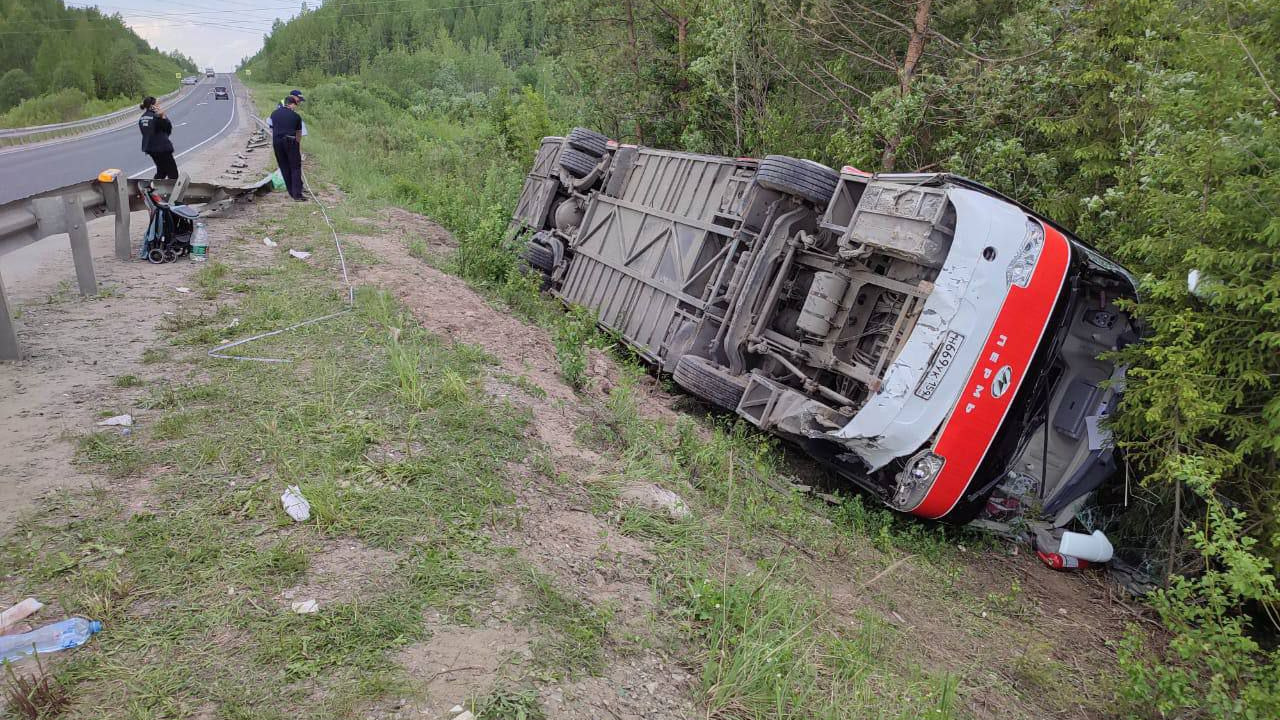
(155, 132)
(285, 124)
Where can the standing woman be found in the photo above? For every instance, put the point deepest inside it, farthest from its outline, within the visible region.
(155, 128)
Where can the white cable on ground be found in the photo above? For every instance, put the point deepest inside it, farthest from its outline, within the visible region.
(219, 352)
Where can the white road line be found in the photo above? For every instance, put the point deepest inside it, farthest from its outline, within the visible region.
(231, 92)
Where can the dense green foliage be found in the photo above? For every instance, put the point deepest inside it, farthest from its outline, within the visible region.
(59, 63)
(1150, 126)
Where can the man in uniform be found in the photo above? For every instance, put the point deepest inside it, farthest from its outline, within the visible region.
(286, 139)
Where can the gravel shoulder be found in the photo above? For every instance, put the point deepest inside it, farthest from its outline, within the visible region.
(79, 347)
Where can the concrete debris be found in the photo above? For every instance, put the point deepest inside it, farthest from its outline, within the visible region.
(456, 709)
(652, 497)
(306, 607)
(125, 420)
(20, 612)
(269, 242)
(466, 715)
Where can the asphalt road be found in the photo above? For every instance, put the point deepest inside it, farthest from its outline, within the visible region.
(197, 119)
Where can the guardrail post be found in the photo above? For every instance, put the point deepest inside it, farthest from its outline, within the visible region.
(78, 229)
(179, 188)
(117, 199)
(9, 348)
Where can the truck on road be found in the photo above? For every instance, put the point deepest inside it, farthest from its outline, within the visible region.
(938, 344)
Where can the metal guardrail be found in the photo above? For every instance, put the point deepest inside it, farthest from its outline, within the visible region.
(10, 137)
(70, 209)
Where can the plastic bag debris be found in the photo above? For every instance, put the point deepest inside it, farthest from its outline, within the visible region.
(125, 420)
(300, 254)
(306, 607)
(183, 290)
(269, 242)
(295, 504)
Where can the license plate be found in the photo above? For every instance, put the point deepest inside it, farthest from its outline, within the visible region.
(942, 360)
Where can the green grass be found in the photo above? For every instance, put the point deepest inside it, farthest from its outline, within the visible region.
(772, 651)
(189, 585)
(722, 468)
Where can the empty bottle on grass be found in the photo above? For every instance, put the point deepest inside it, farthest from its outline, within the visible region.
(63, 635)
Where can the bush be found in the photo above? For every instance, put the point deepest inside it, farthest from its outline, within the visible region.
(61, 106)
(15, 86)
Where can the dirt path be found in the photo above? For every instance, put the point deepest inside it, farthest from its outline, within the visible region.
(79, 347)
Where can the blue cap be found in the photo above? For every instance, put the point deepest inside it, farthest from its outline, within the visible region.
(95, 627)
(297, 94)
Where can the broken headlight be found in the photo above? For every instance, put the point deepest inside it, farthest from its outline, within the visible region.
(916, 478)
(1024, 262)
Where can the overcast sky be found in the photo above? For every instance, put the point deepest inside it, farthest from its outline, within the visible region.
(213, 33)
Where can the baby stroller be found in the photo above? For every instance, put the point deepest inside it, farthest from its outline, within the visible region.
(170, 228)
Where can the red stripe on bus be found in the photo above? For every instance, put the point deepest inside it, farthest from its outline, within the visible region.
(981, 408)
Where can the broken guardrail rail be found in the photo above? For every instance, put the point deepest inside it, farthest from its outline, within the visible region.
(10, 137)
(70, 209)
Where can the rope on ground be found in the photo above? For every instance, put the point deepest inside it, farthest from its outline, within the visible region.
(220, 351)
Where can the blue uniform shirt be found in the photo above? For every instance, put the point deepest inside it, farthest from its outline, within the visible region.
(285, 123)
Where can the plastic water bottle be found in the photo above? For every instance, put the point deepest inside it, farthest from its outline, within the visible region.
(200, 242)
(63, 635)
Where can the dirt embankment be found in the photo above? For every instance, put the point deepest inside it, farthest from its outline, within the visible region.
(1020, 638)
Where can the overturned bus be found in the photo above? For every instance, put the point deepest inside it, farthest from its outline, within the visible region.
(925, 337)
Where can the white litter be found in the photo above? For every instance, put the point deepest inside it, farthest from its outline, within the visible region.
(19, 612)
(1094, 548)
(456, 709)
(300, 254)
(269, 242)
(466, 715)
(296, 505)
(306, 607)
(183, 289)
(125, 420)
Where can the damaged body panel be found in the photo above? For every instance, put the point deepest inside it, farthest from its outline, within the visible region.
(923, 336)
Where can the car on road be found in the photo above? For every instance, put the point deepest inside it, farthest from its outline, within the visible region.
(220, 93)
(189, 80)
(208, 72)
(923, 336)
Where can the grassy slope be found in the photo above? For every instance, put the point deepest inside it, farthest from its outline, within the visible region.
(158, 79)
(460, 175)
(769, 598)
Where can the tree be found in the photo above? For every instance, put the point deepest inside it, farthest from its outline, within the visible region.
(15, 86)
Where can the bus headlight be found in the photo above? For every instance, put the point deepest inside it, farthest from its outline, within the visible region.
(916, 478)
(1024, 262)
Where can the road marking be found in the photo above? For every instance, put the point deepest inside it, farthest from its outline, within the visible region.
(203, 103)
(181, 124)
(231, 92)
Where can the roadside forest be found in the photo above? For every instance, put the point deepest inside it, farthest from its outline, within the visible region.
(60, 63)
(1150, 127)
